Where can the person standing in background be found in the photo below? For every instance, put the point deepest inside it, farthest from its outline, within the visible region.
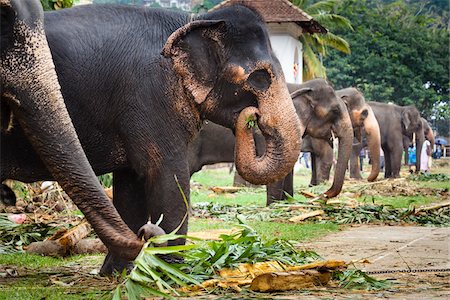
(381, 159)
(411, 157)
(425, 154)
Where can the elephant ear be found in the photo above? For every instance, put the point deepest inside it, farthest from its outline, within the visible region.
(406, 120)
(300, 92)
(195, 50)
(345, 99)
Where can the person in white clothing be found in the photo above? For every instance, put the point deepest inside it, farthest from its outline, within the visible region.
(425, 157)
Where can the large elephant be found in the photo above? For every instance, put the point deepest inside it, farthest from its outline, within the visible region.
(396, 121)
(135, 107)
(364, 119)
(407, 140)
(31, 97)
(320, 112)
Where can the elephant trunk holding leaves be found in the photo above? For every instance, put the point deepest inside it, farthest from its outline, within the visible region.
(30, 95)
(320, 112)
(363, 118)
(395, 122)
(138, 83)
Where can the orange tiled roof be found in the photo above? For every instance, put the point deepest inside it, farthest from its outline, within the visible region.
(279, 11)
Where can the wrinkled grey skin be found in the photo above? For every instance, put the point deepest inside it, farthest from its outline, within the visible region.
(396, 121)
(320, 112)
(139, 82)
(30, 94)
(407, 140)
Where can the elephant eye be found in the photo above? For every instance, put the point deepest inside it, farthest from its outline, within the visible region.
(260, 80)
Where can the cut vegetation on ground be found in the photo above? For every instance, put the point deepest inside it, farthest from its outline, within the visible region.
(299, 222)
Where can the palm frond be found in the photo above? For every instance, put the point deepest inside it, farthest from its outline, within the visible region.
(312, 67)
(314, 41)
(333, 21)
(336, 42)
(326, 5)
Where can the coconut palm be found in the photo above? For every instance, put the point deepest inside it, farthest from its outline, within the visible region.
(315, 45)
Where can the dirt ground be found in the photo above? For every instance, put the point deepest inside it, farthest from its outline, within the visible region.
(393, 248)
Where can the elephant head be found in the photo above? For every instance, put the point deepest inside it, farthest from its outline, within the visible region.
(30, 93)
(412, 124)
(362, 117)
(227, 66)
(322, 112)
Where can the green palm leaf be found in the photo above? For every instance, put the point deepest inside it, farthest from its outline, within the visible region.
(335, 42)
(333, 20)
(315, 45)
(326, 5)
(312, 68)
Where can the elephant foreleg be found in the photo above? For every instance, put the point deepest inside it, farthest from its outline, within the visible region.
(314, 167)
(276, 191)
(387, 164)
(130, 201)
(354, 165)
(167, 200)
(396, 162)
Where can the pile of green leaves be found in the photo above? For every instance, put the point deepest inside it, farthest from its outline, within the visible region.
(358, 280)
(153, 276)
(244, 246)
(14, 236)
(429, 177)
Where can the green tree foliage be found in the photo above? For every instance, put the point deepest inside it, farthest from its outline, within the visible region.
(56, 4)
(399, 53)
(205, 6)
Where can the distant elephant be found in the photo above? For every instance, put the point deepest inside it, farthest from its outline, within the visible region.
(407, 140)
(31, 99)
(363, 118)
(320, 112)
(135, 107)
(396, 121)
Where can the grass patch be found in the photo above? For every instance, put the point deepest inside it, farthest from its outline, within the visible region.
(295, 232)
(271, 230)
(208, 224)
(49, 293)
(33, 261)
(213, 177)
(246, 197)
(433, 184)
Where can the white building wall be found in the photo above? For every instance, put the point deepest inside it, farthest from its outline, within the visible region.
(289, 52)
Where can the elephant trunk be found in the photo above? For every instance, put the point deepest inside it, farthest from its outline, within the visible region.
(430, 136)
(280, 126)
(420, 138)
(37, 102)
(373, 136)
(344, 132)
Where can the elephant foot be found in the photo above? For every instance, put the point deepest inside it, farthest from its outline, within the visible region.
(114, 264)
(151, 230)
(7, 196)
